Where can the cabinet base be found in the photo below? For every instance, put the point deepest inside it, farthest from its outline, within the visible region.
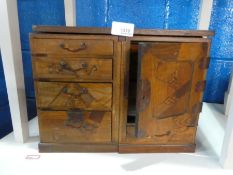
(57, 147)
(123, 148)
(143, 148)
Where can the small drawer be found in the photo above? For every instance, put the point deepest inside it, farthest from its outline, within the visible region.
(75, 126)
(72, 46)
(72, 69)
(64, 96)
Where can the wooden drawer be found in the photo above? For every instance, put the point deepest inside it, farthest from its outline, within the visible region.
(63, 96)
(75, 126)
(72, 46)
(72, 69)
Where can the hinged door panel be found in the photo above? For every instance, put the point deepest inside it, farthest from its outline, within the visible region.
(169, 89)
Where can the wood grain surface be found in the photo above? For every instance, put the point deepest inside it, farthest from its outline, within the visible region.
(72, 69)
(72, 46)
(75, 126)
(144, 32)
(167, 113)
(64, 96)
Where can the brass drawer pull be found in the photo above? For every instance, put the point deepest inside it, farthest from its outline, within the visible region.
(65, 68)
(79, 94)
(83, 46)
(162, 135)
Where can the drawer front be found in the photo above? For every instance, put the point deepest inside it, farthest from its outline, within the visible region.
(72, 46)
(64, 96)
(72, 69)
(75, 126)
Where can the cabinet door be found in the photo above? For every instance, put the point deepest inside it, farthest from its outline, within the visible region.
(169, 89)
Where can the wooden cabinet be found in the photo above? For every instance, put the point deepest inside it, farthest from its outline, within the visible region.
(97, 92)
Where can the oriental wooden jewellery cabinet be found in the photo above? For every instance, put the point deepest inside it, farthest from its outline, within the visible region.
(96, 92)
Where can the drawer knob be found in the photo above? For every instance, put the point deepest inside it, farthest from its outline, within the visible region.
(65, 46)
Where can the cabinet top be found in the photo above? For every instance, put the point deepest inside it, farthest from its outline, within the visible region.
(107, 31)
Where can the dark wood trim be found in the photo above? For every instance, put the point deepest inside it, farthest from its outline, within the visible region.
(123, 148)
(125, 58)
(143, 148)
(153, 32)
(168, 39)
(116, 91)
(71, 36)
(56, 147)
(64, 80)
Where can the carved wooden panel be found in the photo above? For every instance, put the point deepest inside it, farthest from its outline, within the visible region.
(72, 69)
(72, 46)
(170, 86)
(63, 96)
(75, 126)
